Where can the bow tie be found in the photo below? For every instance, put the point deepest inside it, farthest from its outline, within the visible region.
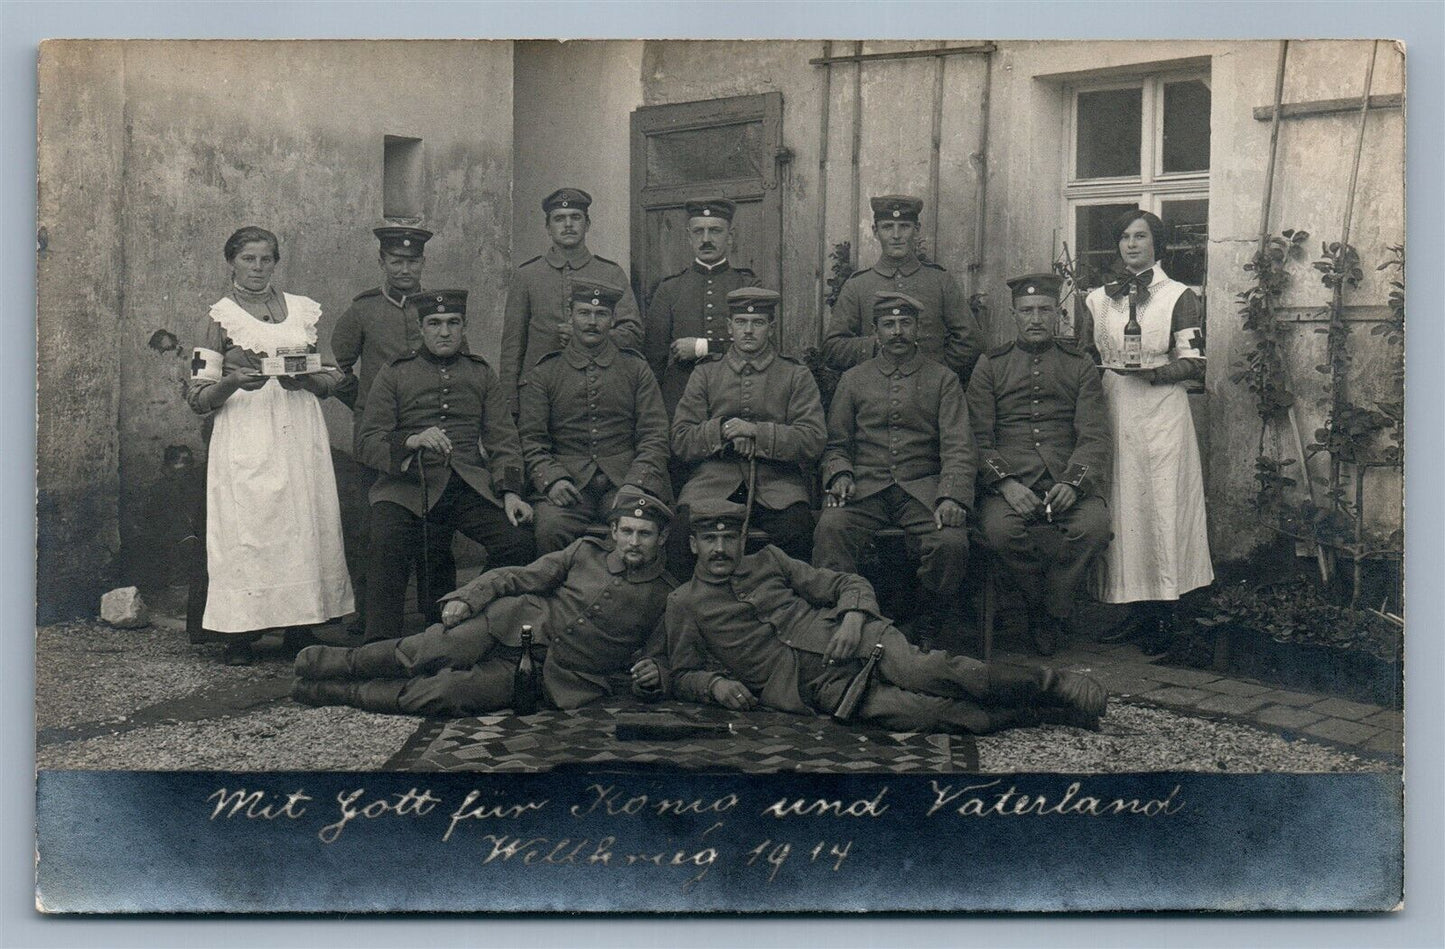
(1138, 283)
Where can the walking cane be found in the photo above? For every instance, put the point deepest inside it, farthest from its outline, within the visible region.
(423, 580)
(752, 485)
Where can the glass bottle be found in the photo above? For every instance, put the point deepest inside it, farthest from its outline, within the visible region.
(526, 681)
(1133, 336)
(853, 695)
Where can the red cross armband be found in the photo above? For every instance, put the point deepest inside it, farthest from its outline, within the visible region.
(206, 364)
(1189, 343)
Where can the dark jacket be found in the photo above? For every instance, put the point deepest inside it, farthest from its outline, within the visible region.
(462, 397)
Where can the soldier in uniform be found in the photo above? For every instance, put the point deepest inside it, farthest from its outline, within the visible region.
(900, 453)
(753, 412)
(535, 322)
(687, 317)
(591, 423)
(947, 331)
(596, 610)
(764, 629)
(376, 328)
(1043, 438)
(438, 408)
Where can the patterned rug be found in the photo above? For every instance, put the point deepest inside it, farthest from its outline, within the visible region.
(766, 742)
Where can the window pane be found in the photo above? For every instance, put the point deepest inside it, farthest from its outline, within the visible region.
(706, 154)
(1097, 254)
(1186, 258)
(1186, 126)
(1109, 123)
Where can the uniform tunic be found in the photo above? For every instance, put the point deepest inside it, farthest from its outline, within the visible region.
(1160, 549)
(1039, 417)
(374, 330)
(274, 548)
(775, 391)
(901, 431)
(460, 395)
(946, 327)
(537, 303)
(767, 626)
(597, 420)
(592, 614)
(690, 303)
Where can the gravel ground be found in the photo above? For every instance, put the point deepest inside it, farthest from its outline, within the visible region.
(282, 737)
(1146, 738)
(95, 679)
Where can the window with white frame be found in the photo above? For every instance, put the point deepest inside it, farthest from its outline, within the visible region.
(1141, 142)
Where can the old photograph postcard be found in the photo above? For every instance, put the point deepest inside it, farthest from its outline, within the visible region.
(694, 475)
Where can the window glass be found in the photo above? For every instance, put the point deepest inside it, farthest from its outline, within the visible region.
(1186, 126)
(715, 153)
(1108, 125)
(1097, 254)
(1188, 224)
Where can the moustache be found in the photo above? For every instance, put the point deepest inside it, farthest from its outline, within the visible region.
(719, 558)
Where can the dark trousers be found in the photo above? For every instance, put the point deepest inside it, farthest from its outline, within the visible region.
(928, 691)
(556, 527)
(1045, 561)
(451, 672)
(942, 554)
(396, 542)
(353, 482)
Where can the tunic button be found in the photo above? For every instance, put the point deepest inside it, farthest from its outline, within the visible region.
(445, 406)
(1036, 372)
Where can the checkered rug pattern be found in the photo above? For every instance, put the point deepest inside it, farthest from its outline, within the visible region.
(768, 742)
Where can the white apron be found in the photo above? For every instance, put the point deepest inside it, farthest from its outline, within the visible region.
(1160, 549)
(273, 524)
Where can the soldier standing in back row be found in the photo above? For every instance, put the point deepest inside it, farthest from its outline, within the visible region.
(687, 317)
(376, 328)
(946, 328)
(535, 322)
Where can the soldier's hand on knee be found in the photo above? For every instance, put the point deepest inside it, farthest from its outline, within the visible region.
(1024, 502)
(646, 677)
(454, 611)
(519, 512)
(729, 693)
(1061, 497)
(949, 513)
(564, 493)
(840, 490)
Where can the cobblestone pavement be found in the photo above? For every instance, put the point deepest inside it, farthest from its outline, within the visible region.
(148, 699)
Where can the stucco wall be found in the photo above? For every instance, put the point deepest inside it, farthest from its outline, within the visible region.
(79, 278)
(192, 140)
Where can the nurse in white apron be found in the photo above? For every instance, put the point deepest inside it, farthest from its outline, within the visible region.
(273, 526)
(1160, 549)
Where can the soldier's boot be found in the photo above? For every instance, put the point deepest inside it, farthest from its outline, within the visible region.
(373, 660)
(928, 622)
(318, 692)
(373, 695)
(1072, 698)
(1045, 633)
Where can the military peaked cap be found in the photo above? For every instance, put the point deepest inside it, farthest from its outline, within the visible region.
(896, 207)
(715, 514)
(566, 198)
(1036, 285)
(754, 300)
(403, 241)
(893, 303)
(438, 301)
(711, 207)
(640, 504)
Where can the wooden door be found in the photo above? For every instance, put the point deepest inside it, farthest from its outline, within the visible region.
(728, 147)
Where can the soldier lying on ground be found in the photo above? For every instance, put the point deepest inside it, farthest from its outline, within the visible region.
(595, 612)
(768, 630)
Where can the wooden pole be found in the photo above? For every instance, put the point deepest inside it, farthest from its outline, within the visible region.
(821, 278)
(980, 192)
(854, 205)
(1273, 145)
(934, 158)
(1359, 144)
